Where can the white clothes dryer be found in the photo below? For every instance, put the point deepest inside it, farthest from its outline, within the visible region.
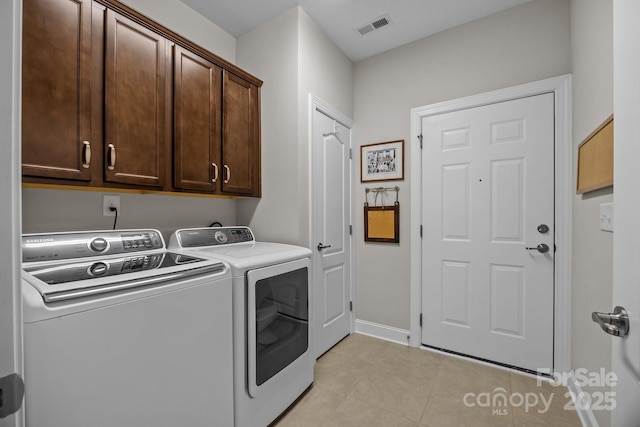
(273, 361)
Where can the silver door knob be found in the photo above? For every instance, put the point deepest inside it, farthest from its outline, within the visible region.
(616, 323)
(321, 246)
(543, 248)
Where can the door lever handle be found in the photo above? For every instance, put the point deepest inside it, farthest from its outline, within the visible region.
(616, 323)
(321, 246)
(543, 248)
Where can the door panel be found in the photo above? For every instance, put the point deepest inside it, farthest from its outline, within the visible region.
(240, 140)
(135, 103)
(488, 182)
(455, 292)
(626, 251)
(56, 89)
(507, 203)
(455, 202)
(331, 172)
(197, 121)
(334, 285)
(506, 299)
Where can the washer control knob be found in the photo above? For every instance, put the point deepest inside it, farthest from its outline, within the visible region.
(98, 269)
(220, 237)
(98, 244)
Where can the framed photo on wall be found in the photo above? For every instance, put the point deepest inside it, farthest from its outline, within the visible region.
(383, 161)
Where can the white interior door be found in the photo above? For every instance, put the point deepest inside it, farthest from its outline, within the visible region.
(10, 222)
(626, 236)
(488, 243)
(331, 240)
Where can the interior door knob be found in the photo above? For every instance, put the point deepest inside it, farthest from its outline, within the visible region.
(543, 248)
(616, 323)
(321, 246)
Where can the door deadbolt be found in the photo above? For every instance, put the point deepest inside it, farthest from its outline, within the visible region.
(543, 228)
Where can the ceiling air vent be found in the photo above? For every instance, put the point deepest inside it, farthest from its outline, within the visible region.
(376, 24)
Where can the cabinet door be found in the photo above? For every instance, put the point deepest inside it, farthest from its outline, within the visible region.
(135, 135)
(56, 85)
(197, 121)
(240, 137)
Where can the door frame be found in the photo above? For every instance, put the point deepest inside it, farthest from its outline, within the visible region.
(315, 103)
(11, 360)
(561, 88)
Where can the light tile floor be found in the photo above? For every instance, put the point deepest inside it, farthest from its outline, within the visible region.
(364, 381)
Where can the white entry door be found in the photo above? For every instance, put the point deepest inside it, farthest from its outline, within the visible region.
(331, 240)
(626, 236)
(488, 242)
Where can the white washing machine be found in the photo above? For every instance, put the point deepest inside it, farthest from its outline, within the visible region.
(273, 361)
(120, 332)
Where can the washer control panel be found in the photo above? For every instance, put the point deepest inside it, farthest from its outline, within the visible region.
(199, 237)
(61, 246)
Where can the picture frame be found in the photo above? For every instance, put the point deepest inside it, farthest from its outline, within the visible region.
(383, 161)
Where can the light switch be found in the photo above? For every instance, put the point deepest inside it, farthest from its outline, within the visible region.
(606, 216)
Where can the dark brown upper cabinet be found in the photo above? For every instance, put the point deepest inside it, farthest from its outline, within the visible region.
(216, 128)
(240, 136)
(197, 122)
(113, 99)
(135, 102)
(56, 90)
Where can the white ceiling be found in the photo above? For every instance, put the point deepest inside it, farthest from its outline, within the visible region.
(410, 19)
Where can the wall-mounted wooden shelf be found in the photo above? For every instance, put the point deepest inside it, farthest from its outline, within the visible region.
(595, 159)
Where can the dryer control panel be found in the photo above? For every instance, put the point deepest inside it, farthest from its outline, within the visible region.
(199, 237)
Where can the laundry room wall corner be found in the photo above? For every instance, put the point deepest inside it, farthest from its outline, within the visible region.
(294, 58)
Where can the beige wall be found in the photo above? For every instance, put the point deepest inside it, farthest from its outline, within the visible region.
(294, 58)
(46, 210)
(592, 56)
(523, 44)
(64, 210)
(185, 21)
(271, 54)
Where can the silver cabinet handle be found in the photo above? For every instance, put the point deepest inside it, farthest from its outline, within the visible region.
(543, 248)
(86, 154)
(321, 246)
(616, 323)
(111, 159)
(215, 172)
(227, 174)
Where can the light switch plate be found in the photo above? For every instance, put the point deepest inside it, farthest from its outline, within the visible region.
(606, 216)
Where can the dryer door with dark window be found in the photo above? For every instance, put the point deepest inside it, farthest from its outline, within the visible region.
(277, 320)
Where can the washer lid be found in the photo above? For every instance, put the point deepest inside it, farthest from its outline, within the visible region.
(89, 277)
(240, 250)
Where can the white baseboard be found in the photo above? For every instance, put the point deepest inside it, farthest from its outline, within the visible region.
(383, 332)
(586, 415)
